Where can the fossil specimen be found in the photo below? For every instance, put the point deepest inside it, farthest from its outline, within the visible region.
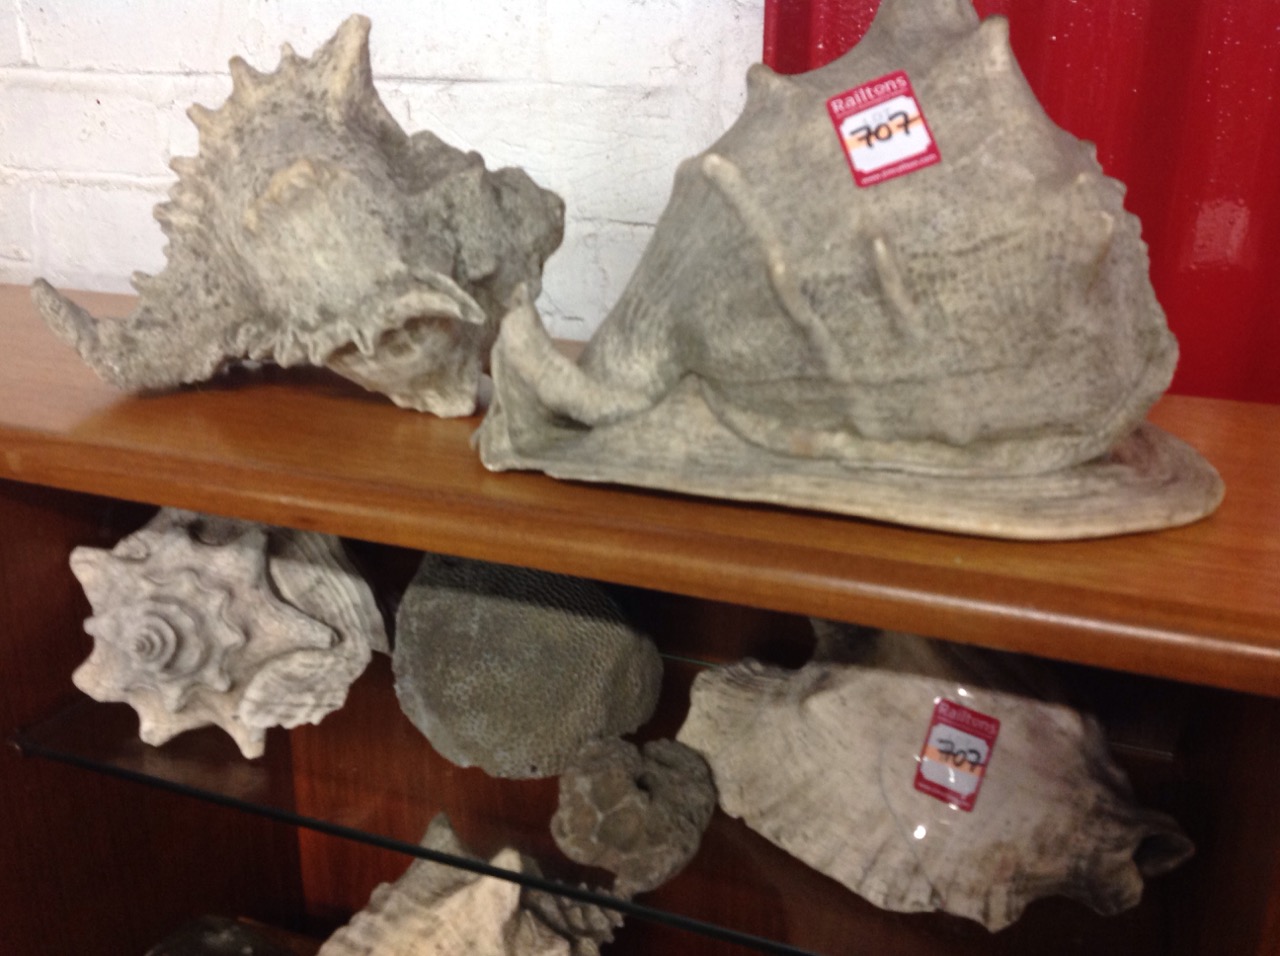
(512, 670)
(827, 762)
(639, 816)
(311, 228)
(972, 345)
(438, 909)
(200, 620)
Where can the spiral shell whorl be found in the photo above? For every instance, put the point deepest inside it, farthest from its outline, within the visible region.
(200, 620)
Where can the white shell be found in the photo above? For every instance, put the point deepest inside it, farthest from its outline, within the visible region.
(311, 229)
(512, 670)
(969, 346)
(200, 620)
(444, 911)
(822, 761)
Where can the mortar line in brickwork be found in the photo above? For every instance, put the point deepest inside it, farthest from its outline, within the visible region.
(110, 180)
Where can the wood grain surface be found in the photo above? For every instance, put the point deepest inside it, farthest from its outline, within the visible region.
(304, 448)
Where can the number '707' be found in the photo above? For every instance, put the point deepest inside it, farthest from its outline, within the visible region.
(898, 122)
(960, 756)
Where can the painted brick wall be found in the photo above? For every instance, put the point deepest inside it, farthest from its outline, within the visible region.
(599, 101)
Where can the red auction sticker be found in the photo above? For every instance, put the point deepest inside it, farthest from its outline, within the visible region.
(883, 129)
(955, 755)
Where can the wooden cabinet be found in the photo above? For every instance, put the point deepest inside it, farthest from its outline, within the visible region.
(1174, 636)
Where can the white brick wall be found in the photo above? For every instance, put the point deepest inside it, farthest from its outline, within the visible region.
(597, 100)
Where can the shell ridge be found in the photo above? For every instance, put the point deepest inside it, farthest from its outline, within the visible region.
(730, 182)
(560, 385)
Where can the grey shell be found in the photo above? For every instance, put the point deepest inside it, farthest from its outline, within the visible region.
(311, 228)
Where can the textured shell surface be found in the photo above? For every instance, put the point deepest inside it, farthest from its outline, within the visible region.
(823, 761)
(985, 318)
(310, 228)
(213, 621)
(513, 670)
(445, 911)
(639, 814)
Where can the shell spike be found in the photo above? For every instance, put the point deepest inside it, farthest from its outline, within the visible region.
(997, 54)
(204, 118)
(910, 21)
(348, 72)
(143, 282)
(908, 324)
(245, 80)
(72, 323)
(765, 83)
(563, 386)
(184, 166)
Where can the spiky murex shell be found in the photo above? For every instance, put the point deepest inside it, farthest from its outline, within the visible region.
(310, 228)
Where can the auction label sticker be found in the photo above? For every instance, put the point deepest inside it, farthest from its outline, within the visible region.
(883, 129)
(955, 755)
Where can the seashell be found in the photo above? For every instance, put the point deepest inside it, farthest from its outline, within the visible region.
(311, 229)
(970, 346)
(824, 762)
(513, 670)
(439, 909)
(641, 817)
(201, 620)
(587, 925)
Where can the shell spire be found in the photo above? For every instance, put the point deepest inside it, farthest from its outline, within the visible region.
(200, 620)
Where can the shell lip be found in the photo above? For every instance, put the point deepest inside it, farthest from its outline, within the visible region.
(1150, 479)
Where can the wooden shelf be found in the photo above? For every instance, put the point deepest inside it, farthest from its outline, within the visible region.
(1199, 604)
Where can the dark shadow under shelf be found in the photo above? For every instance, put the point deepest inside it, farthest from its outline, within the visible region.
(326, 779)
(367, 776)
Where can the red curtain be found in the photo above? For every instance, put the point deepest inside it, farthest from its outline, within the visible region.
(1182, 98)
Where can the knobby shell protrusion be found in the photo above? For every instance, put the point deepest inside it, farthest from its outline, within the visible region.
(640, 815)
(513, 670)
(311, 228)
(446, 911)
(823, 761)
(970, 346)
(200, 620)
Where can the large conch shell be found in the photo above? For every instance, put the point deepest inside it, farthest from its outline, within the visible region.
(445, 911)
(823, 762)
(971, 346)
(199, 620)
(311, 229)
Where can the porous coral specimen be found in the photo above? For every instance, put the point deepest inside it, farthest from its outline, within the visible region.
(513, 670)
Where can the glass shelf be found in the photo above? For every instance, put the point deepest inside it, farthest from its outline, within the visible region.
(333, 778)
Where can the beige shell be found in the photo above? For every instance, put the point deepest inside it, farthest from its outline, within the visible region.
(512, 670)
(445, 911)
(311, 229)
(200, 620)
(640, 815)
(970, 346)
(823, 761)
